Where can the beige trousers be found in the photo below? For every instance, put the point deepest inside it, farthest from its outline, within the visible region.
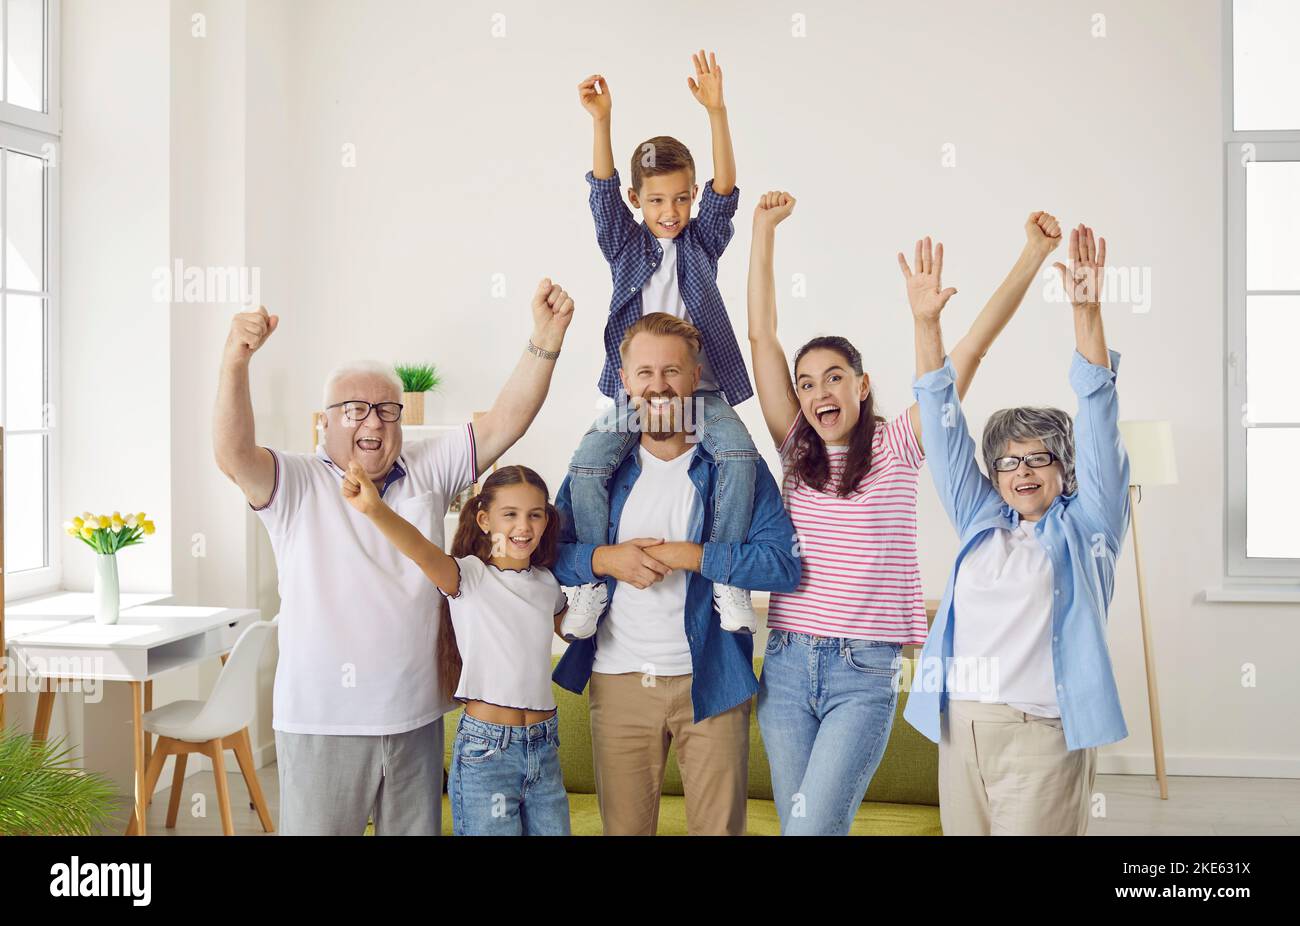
(631, 726)
(1003, 772)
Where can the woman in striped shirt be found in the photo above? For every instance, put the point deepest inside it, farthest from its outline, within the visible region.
(827, 694)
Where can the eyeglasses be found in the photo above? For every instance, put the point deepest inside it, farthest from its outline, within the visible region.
(356, 410)
(1036, 460)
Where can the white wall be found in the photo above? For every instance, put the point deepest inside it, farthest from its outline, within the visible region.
(153, 164)
(470, 151)
(116, 361)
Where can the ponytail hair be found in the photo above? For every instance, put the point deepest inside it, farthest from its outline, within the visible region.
(472, 540)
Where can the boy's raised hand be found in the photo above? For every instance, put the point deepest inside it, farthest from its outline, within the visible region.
(923, 286)
(706, 85)
(359, 490)
(1084, 277)
(1043, 232)
(596, 103)
(773, 208)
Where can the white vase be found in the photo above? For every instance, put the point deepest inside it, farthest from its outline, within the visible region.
(108, 600)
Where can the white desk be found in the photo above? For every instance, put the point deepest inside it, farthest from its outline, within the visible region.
(54, 643)
(74, 604)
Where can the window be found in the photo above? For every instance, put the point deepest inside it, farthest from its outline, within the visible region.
(1262, 274)
(29, 154)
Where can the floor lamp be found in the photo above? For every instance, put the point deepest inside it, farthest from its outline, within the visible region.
(1150, 446)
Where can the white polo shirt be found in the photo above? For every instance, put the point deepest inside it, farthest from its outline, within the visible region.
(358, 620)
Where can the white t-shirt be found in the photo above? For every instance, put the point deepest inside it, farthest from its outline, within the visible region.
(645, 630)
(358, 620)
(662, 293)
(1002, 624)
(504, 619)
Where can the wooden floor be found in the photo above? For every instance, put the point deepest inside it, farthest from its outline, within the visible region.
(1196, 807)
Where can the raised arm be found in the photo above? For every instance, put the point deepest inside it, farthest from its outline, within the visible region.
(1082, 282)
(593, 93)
(249, 466)
(963, 489)
(1101, 463)
(776, 393)
(927, 297)
(615, 225)
(706, 87)
(521, 398)
(1042, 235)
(401, 533)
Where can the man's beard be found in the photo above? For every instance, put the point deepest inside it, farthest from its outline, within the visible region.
(669, 421)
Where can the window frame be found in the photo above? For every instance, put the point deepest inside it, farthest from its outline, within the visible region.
(49, 121)
(1268, 145)
(40, 135)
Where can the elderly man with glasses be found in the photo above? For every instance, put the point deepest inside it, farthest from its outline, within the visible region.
(357, 711)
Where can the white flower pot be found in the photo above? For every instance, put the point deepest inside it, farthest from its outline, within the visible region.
(108, 599)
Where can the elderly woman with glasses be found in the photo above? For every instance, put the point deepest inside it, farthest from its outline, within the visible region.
(1015, 681)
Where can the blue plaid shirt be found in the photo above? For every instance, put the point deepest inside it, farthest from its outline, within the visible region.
(634, 254)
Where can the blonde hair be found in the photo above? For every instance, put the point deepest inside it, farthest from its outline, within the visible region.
(664, 325)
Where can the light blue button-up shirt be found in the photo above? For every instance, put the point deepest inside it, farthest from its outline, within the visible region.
(1081, 533)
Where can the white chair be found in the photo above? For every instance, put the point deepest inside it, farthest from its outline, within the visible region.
(212, 726)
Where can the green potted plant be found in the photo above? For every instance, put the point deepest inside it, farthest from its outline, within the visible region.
(42, 792)
(417, 379)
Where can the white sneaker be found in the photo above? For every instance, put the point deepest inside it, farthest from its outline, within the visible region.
(586, 605)
(735, 612)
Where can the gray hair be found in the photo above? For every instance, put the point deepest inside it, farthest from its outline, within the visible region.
(1050, 425)
(374, 368)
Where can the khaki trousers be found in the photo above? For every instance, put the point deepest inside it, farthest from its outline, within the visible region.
(632, 724)
(1003, 772)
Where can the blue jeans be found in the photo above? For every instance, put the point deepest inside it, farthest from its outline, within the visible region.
(611, 438)
(506, 781)
(825, 709)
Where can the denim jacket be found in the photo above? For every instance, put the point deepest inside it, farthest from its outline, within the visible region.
(722, 662)
(1081, 533)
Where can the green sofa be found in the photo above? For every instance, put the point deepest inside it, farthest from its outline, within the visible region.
(903, 799)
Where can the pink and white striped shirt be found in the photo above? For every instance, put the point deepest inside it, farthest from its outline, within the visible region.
(861, 576)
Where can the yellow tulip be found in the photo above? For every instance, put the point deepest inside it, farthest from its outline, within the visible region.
(104, 522)
(77, 522)
(87, 533)
(140, 516)
(148, 527)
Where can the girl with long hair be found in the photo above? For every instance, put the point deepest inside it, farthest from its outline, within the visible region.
(500, 606)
